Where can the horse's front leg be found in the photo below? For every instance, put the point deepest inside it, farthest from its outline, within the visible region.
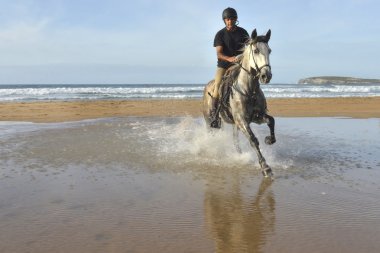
(235, 133)
(270, 122)
(245, 128)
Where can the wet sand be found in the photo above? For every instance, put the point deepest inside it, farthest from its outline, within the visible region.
(367, 107)
(165, 184)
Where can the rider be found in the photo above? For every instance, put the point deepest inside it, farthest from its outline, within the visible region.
(228, 43)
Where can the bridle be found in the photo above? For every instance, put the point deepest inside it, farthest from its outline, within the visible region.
(250, 75)
(257, 68)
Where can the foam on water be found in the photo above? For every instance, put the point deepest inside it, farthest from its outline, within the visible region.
(311, 148)
(74, 92)
(174, 91)
(191, 138)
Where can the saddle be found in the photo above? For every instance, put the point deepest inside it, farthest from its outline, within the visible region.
(226, 88)
(226, 85)
(225, 92)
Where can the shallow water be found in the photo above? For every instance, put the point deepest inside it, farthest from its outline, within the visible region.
(167, 185)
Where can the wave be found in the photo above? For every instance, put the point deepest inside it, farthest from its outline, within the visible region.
(172, 91)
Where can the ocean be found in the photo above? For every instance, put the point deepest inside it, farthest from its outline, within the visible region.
(35, 92)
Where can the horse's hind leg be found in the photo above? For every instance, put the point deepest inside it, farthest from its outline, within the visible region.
(270, 121)
(265, 169)
(235, 133)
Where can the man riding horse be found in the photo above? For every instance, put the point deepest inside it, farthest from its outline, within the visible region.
(237, 95)
(228, 43)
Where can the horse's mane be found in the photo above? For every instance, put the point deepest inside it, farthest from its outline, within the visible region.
(260, 38)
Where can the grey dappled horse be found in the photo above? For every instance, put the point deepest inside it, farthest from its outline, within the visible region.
(247, 102)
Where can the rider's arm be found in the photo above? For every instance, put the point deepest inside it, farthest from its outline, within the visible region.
(221, 56)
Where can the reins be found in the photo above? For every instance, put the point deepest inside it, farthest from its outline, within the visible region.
(250, 75)
(257, 68)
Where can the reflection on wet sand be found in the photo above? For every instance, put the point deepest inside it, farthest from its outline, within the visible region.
(238, 222)
(160, 185)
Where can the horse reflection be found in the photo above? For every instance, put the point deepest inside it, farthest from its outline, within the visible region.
(238, 222)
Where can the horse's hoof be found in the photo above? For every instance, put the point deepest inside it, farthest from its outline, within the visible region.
(216, 123)
(269, 140)
(267, 172)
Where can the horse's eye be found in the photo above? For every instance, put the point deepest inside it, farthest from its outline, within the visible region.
(256, 51)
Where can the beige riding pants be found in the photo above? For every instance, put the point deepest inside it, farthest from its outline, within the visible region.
(218, 80)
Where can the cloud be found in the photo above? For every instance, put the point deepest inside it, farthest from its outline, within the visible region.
(28, 44)
(168, 33)
(22, 32)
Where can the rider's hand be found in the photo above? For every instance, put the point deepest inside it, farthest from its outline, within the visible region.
(233, 59)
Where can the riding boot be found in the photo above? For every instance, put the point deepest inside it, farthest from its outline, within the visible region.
(214, 116)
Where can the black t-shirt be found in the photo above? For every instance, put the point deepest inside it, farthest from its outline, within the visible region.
(231, 41)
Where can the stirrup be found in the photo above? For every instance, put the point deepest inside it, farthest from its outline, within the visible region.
(216, 123)
(215, 120)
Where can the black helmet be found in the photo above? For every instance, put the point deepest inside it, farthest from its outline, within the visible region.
(229, 13)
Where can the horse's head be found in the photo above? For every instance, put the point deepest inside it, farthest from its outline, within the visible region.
(258, 50)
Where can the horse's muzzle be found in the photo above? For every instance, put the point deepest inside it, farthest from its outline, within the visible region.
(265, 76)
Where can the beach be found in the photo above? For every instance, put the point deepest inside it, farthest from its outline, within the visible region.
(147, 176)
(61, 111)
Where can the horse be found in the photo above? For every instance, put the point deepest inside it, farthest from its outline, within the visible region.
(246, 102)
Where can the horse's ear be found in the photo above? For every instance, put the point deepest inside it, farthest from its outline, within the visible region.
(267, 36)
(254, 35)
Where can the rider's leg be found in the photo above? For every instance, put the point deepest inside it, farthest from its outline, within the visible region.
(218, 80)
(216, 97)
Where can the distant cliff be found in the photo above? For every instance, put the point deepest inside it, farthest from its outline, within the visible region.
(336, 80)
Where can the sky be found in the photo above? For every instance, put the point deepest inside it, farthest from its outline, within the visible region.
(171, 41)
